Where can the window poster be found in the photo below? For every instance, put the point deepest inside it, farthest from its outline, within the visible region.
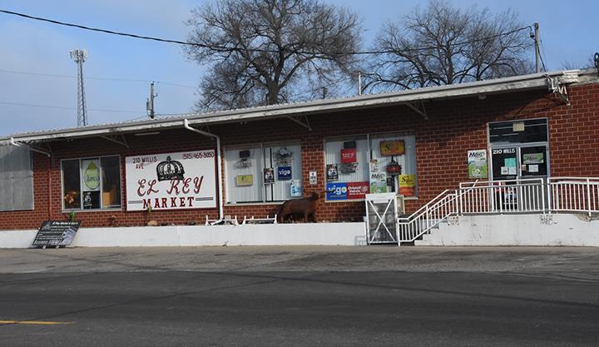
(269, 175)
(348, 155)
(296, 188)
(407, 185)
(533, 158)
(332, 172)
(336, 191)
(378, 182)
(90, 176)
(395, 147)
(357, 190)
(244, 180)
(284, 173)
(180, 180)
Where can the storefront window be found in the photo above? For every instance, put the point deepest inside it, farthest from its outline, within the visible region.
(91, 183)
(373, 163)
(263, 173)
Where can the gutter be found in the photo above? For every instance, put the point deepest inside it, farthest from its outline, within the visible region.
(16, 144)
(219, 168)
(502, 85)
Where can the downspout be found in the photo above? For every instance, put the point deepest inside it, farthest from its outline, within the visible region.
(218, 167)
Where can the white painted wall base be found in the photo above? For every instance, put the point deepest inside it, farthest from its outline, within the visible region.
(346, 234)
(516, 230)
(483, 230)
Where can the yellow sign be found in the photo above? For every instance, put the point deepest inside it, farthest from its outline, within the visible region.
(244, 180)
(407, 185)
(396, 147)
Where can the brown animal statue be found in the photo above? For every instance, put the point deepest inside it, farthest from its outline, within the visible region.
(295, 209)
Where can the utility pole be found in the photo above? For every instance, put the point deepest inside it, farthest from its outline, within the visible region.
(150, 102)
(79, 56)
(537, 48)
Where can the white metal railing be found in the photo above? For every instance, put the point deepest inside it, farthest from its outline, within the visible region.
(574, 194)
(535, 195)
(427, 217)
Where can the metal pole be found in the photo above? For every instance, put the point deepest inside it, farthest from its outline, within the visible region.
(537, 48)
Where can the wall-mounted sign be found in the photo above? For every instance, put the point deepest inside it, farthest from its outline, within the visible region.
(348, 155)
(296, 188)
(357, 190)
(477, 163)
(336, 191)
(91, 175)
(269, 175)
(378, 182)
(395, 147)
(332, 172)
(180, 180)
(407, 185)
(313, 176)
(284, 173)
(244, 180)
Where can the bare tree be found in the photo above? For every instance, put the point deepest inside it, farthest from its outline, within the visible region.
(445, 45)
(271, 51)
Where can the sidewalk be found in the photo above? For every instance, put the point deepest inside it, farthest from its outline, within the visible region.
(302, 258)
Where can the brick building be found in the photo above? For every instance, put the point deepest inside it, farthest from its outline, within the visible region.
(246, 162)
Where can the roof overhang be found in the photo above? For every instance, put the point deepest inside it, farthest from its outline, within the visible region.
(407, 97)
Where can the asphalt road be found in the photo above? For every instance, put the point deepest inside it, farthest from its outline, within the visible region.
(300, 296)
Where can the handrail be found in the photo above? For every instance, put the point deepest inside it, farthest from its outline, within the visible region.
(527, 195)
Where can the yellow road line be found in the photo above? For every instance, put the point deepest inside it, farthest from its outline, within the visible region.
(32, 322)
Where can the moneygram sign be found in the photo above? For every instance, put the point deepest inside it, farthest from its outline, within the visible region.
(182, 180)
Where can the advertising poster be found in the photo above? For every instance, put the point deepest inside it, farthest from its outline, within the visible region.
(348, 156)
(91, 183)
(332, 172)
(336, 191)
(357, 190)
(477, 164)
(407, 185)
(296, 188)
(269, 175)
(378, 182)
(389, 148)
(284, 173)
(181, 180)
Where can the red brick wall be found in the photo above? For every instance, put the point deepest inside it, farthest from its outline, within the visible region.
(442, 141)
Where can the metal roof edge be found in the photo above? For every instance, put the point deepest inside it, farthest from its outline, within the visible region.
(500, 85)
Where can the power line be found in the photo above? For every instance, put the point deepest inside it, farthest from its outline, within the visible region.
(97, 29)
(224, 48)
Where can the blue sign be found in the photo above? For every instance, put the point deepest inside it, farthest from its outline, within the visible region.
(336, 191)
(284, 173)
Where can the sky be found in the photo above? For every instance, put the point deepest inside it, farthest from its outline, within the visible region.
(38, 78)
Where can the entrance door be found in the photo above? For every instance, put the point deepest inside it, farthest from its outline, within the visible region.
(513, 167)
(519, 151)
(518, 162)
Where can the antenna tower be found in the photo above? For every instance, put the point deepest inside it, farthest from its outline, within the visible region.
(79, 56)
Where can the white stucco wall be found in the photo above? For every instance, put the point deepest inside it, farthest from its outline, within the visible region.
(519, 230)
(498, 230)
(346, 234)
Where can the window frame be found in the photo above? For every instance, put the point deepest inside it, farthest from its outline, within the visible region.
(410, 155)
(258, 183)
(81, 208)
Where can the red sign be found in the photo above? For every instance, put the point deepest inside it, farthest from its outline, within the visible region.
(357, 190)
(348, 155)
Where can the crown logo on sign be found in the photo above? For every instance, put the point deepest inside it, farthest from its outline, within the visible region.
(169, 170)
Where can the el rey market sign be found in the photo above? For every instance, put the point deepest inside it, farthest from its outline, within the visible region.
(181, 180)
